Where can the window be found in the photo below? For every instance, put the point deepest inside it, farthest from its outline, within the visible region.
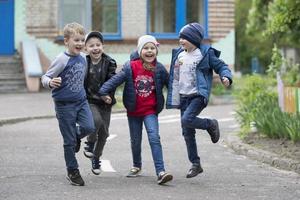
(162, 16)
(194, 11)
(74, 11)
(102, 15)
(165, 18)
(106, 17)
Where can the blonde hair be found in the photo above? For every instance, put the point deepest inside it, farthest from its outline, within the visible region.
(73, 28)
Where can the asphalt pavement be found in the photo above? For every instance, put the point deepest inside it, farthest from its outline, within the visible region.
(37, 110)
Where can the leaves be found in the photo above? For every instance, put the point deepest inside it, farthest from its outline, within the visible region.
(258, 102)
(278, 19)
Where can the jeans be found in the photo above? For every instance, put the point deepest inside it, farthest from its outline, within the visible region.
(102, 120)
(68, 114)
(136, 128)
(190, 108)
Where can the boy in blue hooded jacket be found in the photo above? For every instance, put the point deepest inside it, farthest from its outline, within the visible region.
(191, 75)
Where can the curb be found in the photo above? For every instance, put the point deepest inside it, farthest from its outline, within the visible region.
(235, 143)
(22, 119)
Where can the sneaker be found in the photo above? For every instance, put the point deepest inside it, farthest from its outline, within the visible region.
(96, 164)
(134, 172)
(88, 149)
(214, 131)
(194, 171)
(77, 147)
(164, 177)
(75, 178)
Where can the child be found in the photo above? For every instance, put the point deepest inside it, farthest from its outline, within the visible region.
(101, 67)
(65, 77)
(143, 98)
(191, 74)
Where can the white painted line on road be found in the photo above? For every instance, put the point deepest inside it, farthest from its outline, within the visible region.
(120, 117)
(106, 166)
(118, 114)
(234, 126)
(168, 121)
(169, 116)
(226, 119)
(111, 136)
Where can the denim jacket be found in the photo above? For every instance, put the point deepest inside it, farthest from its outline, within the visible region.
(204, 74)
(161, 78)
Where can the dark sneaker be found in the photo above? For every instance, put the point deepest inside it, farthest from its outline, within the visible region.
(96, 166)
(194, 171)
(75, 178)
(77, 147)
(134, 172)
(164, 177)
(214, 131)
(88, 149)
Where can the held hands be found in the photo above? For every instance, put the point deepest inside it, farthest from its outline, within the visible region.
(225, 81)
(55, 82)
(106, 99)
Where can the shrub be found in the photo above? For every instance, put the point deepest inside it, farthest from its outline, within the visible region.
(257, 102)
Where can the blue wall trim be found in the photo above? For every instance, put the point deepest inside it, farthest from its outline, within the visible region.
(7, 46)
(118, 35)
(181, 6)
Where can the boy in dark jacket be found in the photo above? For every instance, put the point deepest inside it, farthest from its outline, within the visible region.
(191, 74)
(143, 98)
(100, 68)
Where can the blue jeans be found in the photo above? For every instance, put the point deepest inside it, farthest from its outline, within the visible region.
(190, 108)
(68, 114)
(136, 129)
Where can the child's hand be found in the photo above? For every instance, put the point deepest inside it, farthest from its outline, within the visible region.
(106, 99)
(55, 82)
(225, 81)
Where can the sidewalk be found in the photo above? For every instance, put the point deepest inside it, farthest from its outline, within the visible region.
(25, 106)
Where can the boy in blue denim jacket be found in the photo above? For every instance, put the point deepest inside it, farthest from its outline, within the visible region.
(191, 75)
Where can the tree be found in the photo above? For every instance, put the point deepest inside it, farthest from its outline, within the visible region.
(276, 19)
(249, 45)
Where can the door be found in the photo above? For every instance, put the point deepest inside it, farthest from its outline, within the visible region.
(7, 27)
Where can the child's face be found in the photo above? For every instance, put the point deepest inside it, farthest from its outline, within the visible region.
(75, 43)
(149, 52)
(94, 48)
(186, 45)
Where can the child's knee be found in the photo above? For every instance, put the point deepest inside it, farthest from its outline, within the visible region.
(186, 121)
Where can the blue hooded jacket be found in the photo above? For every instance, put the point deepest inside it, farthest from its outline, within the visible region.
(204, 74)
(161, 78)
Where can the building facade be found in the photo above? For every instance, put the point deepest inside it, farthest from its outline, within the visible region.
(120, 21)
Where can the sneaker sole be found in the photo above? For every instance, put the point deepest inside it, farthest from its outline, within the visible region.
(96, 173)
(165, 179)
(88, 154)
(189, 176)
(218, 135)
(133, 175)
(73, 183)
